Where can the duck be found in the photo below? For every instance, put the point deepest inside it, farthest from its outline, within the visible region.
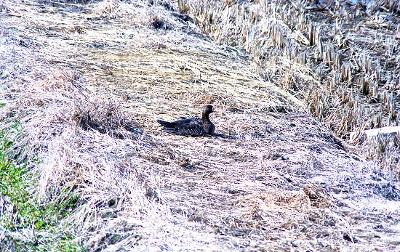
(194, 126)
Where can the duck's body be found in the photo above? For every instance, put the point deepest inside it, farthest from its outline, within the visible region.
(191, 126)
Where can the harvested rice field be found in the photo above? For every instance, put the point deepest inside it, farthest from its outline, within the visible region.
(84, 165)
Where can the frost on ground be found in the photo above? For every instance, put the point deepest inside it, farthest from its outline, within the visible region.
(88, 81)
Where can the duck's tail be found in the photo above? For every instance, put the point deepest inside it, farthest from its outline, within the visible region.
(166, 124)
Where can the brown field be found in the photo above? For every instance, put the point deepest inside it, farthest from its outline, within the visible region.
(87, 82)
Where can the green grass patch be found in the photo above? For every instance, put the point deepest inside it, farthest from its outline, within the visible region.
(15, 184)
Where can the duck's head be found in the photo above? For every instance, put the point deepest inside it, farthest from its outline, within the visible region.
(208, 109)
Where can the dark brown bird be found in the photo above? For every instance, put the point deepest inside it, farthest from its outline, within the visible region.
(191, 126)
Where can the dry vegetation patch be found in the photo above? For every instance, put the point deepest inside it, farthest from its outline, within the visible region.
(87, 83)
(340, 57)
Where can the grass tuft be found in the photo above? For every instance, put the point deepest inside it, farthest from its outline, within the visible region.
(26, 210)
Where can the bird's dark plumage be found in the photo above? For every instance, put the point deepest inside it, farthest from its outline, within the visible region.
(191, 126)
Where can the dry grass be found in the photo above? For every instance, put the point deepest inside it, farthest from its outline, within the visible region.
(88, 82)
(349, 48)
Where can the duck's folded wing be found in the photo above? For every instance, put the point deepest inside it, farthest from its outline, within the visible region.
(174, 124)
(184, 120)
(190, 127)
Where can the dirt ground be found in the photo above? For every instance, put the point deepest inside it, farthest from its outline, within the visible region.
(276, 179)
